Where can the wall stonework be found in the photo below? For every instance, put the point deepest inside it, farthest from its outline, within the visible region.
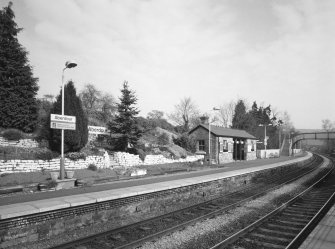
(117, 159)
(128, 210)
(23, 143)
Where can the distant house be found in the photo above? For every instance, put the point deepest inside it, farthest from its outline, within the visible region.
(226, 145)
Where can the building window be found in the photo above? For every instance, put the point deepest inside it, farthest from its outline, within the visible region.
(201, 144)
(252, 145)
(223, 146)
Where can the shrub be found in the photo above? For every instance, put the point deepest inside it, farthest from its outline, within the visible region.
(141, 154)
(12, 134)
(186, 142)
(177, 152)
(92, 167)
(76, 156)
(46, 155)
(163, 139)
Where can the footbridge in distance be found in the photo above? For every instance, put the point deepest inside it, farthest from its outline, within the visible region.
(327, 135)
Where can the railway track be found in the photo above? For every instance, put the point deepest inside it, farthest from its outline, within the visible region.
(136, 234)
(289, 225)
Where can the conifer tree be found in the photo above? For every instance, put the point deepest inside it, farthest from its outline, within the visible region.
(18, 87)
(124, 127)
(74, 140)
(241, 119)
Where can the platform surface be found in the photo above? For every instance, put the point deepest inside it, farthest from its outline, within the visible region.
(323, 235)
(48, 201)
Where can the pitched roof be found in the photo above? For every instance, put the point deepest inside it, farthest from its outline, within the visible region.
(225, 132)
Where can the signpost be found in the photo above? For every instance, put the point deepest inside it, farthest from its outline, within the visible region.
(62, 122)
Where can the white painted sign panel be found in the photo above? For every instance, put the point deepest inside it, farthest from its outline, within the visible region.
(98, 130)
(63, 118)
(63, 122)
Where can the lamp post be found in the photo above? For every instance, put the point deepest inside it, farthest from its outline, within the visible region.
(279, 134)
(291, 136)
(265, 139)
(209, 137)
(68, 64)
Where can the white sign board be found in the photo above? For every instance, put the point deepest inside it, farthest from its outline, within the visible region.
(63, 122)
(98, 130)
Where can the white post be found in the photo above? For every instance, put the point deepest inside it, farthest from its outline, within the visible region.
(265, 141)
(61, 173)
(209, 142)
(68, 64)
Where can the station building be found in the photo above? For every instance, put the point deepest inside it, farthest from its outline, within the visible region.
(226, 145)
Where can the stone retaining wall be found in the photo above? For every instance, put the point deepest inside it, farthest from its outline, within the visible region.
(118, 159)
(16, 166)
(23, 143)
(125, 211)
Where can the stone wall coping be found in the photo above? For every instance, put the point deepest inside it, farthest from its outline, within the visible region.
(15, 210)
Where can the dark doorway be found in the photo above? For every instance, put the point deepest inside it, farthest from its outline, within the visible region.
(238, 153)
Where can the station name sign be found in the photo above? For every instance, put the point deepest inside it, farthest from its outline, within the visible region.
(98, 130)
(63, 122)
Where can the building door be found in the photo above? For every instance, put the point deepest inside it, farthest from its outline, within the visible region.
(238, 153)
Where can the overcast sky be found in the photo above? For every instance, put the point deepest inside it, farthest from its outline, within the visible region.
(278, 52)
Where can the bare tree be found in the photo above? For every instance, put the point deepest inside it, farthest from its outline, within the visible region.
(49, 97)
(155, 114)
(226, 113)
(286, 121)
(328, 125)
(99, 107)
(186, 113)
(90, 97)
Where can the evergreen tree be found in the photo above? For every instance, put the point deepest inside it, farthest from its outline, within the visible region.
(241, 119)
(18, 87)
(74, 140)
(124, 127)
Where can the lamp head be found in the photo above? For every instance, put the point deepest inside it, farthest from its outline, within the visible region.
(216, 109)
(70, 64)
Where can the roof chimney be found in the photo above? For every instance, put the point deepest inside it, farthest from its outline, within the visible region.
(204, 119)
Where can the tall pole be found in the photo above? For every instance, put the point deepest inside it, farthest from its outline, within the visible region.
(265, 142)
(61, 173)
(209, 142)
(68, 64)
(279, 141)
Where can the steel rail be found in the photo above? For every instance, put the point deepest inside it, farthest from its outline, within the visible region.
(233, 238)
(184, 224)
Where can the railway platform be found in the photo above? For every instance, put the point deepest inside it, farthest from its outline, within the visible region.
(16, 206)
(323, 235)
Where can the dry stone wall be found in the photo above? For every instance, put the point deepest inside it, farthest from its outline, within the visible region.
(16, 166)
(118, 159)
(23, 143)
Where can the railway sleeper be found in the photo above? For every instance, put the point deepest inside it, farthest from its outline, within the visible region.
(294, 218)
(282, 227)
(296, 214)
(303, 207)
(144, 228)
(117, 237)
(319, 196)
(291, 223)
(314, 202)
(264, 244)
(276, 231)
(189, 213)
(270, 238)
